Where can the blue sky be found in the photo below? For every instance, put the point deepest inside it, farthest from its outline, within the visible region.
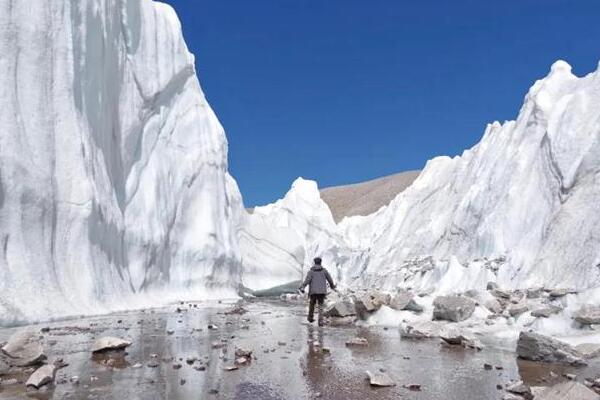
(348, 90)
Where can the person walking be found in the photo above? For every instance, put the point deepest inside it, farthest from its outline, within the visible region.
(317, 279)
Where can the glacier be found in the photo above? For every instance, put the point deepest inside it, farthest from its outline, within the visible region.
(519, 208)
(114, 190)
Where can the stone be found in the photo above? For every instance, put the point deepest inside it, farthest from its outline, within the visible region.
(488, 367)
(503, 294)
(401, 299)
(42, 376)
(341, 321)
(370, 302)
(420, 330)
(570, 390)
(534, 293)
(453, 308)
(239, 352)
(472, 343)
(520, 388)
(153, 364)
(415, 387)
(491, 286)
(589, 350)
(24, 349)
(177, 366)
(380, 379)
(588, 315)
(546, 312)
(556, 293)
(359, 341)
(536, 347)
(510, 396)
(107, 343)
(9, 382)
(341, 309)
(494, 306)
(517, 309)
(230, 368)
(452, 336)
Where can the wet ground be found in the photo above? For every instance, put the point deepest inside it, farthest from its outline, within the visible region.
(289, 361)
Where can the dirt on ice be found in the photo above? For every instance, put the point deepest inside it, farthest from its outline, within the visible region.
(188, 351)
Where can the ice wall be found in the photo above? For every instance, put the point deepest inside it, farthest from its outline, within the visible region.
(520, 207)
(113, 167)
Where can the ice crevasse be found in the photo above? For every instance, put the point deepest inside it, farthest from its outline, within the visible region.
(113, 166)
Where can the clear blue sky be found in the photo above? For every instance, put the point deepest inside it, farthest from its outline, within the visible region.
(348, 90)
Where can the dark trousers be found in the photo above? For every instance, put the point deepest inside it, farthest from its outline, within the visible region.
(318, 299)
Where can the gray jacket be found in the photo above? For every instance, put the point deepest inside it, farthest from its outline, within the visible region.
(317, 278)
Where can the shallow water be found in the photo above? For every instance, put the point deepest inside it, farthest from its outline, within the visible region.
(289, 362)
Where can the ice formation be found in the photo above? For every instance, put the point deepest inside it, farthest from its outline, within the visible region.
(113, 167)
(519, 208)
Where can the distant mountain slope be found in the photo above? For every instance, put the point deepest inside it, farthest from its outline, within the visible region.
(367, 197)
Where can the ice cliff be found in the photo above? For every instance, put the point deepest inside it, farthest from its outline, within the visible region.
(113, 167)
(519, 208)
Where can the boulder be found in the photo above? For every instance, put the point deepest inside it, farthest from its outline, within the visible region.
(570, 390)
(24, 349)
(556, 293)
(420, 330)
(588, 315)
(492, 285)
(503, 294)
(340, 309)
(517, 309)
(401, 299)
(452, 336)
(380, 379)
(107, 343)
(534, 293)
(453, 308)
(589, 350)
(239, 352)
(535, 347)
(546, 312)
(42, 376)
(370, 302)
(494, 306)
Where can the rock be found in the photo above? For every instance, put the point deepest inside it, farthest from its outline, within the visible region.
(510, 396)
(494, 306)
(153, 364)
(453, 308)
(243, 353)
(107, 343)
(571, 390)
(341, 321)
(534, 293)
(521, 389)
(589, 350)
(420, 330)
(546, 312)
(230, 367)
(491, 286)
(24, 349)
(488, 367)
(535, 347)
(340, 309)
(517, 309)
(42, 376)
(503, 294)
(380, 379)
(359, 341)
(452, 336)
(213, 327)
(237, 310)
(177, 366)
(556, 293)
(588, 315)
(401, 299)
(412, 386)
(571, 377)
(9, 382)
(472, 343)
(370, 302)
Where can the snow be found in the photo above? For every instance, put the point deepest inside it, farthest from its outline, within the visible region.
(114, 191)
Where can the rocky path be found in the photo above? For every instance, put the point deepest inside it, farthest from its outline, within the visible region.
(262, 350)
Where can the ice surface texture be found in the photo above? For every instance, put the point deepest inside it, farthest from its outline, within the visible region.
(113, 167)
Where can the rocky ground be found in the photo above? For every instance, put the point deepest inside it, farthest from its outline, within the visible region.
(266, 350)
